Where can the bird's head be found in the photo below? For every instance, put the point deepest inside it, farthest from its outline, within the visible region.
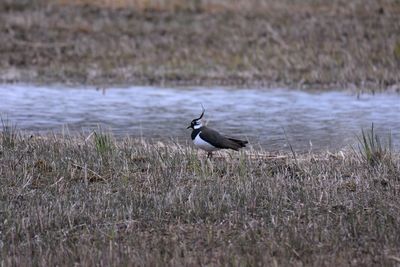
(196, 123)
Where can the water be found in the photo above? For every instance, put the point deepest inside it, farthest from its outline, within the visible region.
(318, 121)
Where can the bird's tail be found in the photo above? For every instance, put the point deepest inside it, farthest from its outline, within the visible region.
(238, 143)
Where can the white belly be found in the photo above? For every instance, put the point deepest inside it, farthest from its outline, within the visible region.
(200, 143)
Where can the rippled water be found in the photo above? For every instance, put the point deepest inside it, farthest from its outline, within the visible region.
(324, 120)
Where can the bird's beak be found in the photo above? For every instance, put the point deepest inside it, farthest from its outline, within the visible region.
(190, 126)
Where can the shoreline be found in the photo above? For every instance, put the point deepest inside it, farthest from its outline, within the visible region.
(207, 83)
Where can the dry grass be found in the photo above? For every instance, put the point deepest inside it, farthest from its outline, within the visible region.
(70, 201)
(253, 6)
(310, 43)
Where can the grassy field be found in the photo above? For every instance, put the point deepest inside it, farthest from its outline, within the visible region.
(91, 200)
(302, 44)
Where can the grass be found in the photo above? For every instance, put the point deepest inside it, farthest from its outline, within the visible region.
(371, 148)
(103, 142)
(307, 44)
(166, 204)
(9, 133)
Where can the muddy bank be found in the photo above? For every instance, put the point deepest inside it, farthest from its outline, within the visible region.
(308, 44)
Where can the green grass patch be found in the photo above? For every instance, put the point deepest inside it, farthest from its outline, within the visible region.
(103, 142)
(9, 133)
(371, 148)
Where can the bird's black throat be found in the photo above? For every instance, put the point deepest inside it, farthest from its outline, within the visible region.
(195, 132)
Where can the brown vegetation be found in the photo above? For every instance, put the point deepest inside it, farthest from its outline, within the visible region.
(299, 44)
(94, 201)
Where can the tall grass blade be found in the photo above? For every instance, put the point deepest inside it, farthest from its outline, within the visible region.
(102, 142)
(371, 148)
(9, 133)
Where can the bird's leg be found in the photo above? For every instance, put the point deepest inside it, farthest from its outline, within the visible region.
(209, 155)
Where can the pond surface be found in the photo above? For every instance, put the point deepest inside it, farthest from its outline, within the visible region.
(318, 121)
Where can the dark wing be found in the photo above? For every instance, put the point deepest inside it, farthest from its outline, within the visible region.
(219, 141)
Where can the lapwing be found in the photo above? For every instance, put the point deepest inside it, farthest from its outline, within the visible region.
(210, 140)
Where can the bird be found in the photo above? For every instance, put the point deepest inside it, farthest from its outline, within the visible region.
(210, 140)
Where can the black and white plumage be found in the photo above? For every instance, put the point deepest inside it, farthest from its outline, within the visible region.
(210, 140)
